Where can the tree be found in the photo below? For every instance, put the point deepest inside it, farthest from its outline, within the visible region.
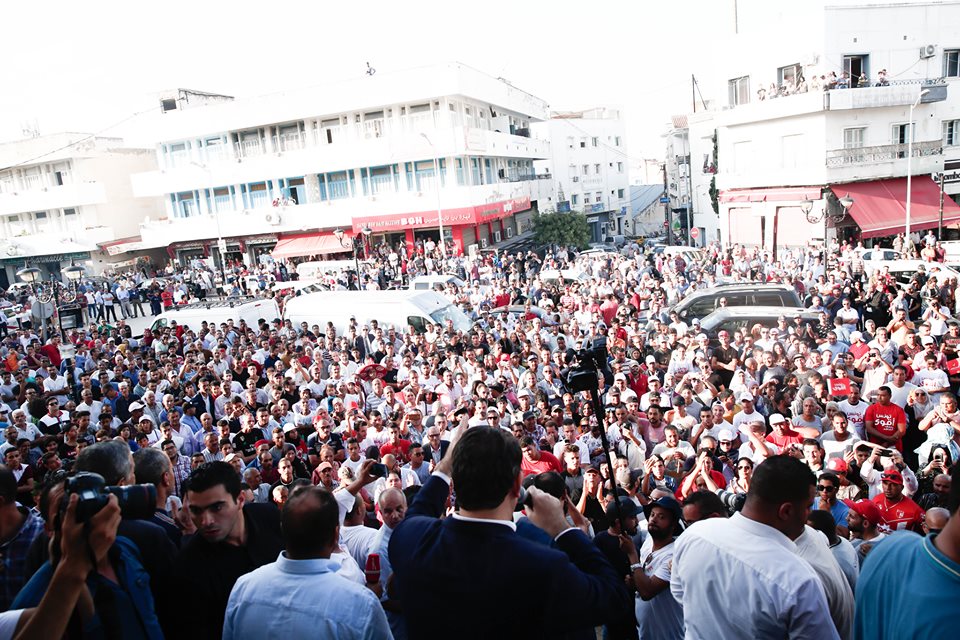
(565, 229)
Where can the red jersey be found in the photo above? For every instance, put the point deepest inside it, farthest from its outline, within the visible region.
(885, 420)
(788, 437)
(401, 449)
(899, 516)
(547, 462)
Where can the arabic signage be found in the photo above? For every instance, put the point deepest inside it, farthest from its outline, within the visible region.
(55, 257)
(451, 217)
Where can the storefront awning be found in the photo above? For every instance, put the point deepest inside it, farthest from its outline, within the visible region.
(310, 245)
(771, 194)
(880, 209)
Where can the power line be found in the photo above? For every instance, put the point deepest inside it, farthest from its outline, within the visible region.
(78, 141)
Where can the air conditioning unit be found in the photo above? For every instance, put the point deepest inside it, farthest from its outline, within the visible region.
(273, 218)
(509, 232)
(496, 236)
(484, 243)
(928, 51)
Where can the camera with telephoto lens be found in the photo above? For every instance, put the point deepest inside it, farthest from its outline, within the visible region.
(137, 501)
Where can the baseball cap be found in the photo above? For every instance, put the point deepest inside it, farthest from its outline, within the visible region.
(695, 321)
(324, 465)
(667, 503)
(925, 340)
(504, 357)
(838, 464)
(866, 509)
(725, 435)
(134, 406)
(892, 475)
(856, 335)
(620, 376)
(651, 360)
(230, 457)
(287, 428)
(746, 395)
(776, 418)
(529, 414)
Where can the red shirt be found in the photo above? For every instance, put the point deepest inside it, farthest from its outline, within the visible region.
(547, 462)
(898, 516)
(885, 420)
(789, 437)
(401, 449)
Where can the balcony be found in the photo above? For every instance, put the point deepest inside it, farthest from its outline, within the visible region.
(893, 95)
(882, 153)
(47, 198)
(883, 161)
(249, 148)
(289, 142)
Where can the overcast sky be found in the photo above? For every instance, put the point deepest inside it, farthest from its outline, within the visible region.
(85, 66)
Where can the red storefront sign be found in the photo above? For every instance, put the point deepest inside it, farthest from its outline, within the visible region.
(477, 214)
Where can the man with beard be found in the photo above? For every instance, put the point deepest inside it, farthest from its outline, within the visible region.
(659, 615)
(623, 524)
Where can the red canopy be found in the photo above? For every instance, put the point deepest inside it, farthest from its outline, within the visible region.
(880, 206)
(316, 244)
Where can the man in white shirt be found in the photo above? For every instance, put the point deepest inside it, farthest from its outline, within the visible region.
(747, 414)
(840, 441)
(854, 408)
(774, 592)
(899, 387)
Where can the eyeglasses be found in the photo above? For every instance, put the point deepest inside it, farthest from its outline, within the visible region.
(726, 442)
(744, 466)
(827, 488)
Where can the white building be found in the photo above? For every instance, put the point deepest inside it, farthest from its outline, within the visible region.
(589, 163)
(783, 165)
(277, 174)
(64, 197)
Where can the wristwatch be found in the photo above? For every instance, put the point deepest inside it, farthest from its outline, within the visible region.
(635, 566)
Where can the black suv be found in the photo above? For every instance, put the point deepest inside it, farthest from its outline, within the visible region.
(703, 302)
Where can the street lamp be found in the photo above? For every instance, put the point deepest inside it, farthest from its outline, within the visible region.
(338, 233)
(807, 206)
(436, 176)
(922, 93)
(221, 245)
(32, 276)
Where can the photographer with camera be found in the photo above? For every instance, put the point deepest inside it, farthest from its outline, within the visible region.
(83, 516)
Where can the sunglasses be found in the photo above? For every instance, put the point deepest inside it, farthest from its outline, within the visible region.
(828, 489)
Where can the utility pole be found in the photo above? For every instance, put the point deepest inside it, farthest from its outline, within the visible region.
(940, 219)
(693, 91)
(667, 212)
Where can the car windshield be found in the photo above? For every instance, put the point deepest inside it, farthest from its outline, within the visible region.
(460, 320)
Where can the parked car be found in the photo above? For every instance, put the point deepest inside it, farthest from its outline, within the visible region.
(737, 318)
(701, 303)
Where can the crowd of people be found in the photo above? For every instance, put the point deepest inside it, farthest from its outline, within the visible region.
(787, 480)
(792, 85)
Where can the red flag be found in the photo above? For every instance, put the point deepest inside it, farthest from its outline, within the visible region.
(840, 386)
(953, 366)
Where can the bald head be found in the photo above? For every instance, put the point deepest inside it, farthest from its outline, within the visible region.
(935, 520)
(310, 522)
(391, 506)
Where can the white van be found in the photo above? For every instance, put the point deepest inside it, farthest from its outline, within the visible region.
(248, 309)
(389, 308)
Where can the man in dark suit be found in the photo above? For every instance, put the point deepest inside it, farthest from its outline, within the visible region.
(488, 581)
(204, 400)
(435, 449)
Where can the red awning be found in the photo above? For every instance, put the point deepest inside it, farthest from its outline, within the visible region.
(771, 194)
(880, 209)
(311, 245)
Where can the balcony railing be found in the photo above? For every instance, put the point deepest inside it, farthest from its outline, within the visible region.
(249, 148)
(882, 153)
(289, 142)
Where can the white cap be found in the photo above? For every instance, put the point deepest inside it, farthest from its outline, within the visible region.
(776, 418)
(856, 335)
(925, 340)
(725, 434)
(746, 395)
(620, 376)
(135, 406)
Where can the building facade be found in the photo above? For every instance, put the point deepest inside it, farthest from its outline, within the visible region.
(400, 156)
(64, 198)
(589, 164)
(789, 154)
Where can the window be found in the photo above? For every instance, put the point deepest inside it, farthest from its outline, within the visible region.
(575, 199)
(853, 138)
(951, 63)
(595, 142)
(620, 194)
(616, 141)
(599, 196)
(900, 134)
(586, 169)
(739, 90)
(570, 142)
(951, 133)
(857, 65)
(596, 169)
(619, 167)
(788, 74)
(583, 143)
